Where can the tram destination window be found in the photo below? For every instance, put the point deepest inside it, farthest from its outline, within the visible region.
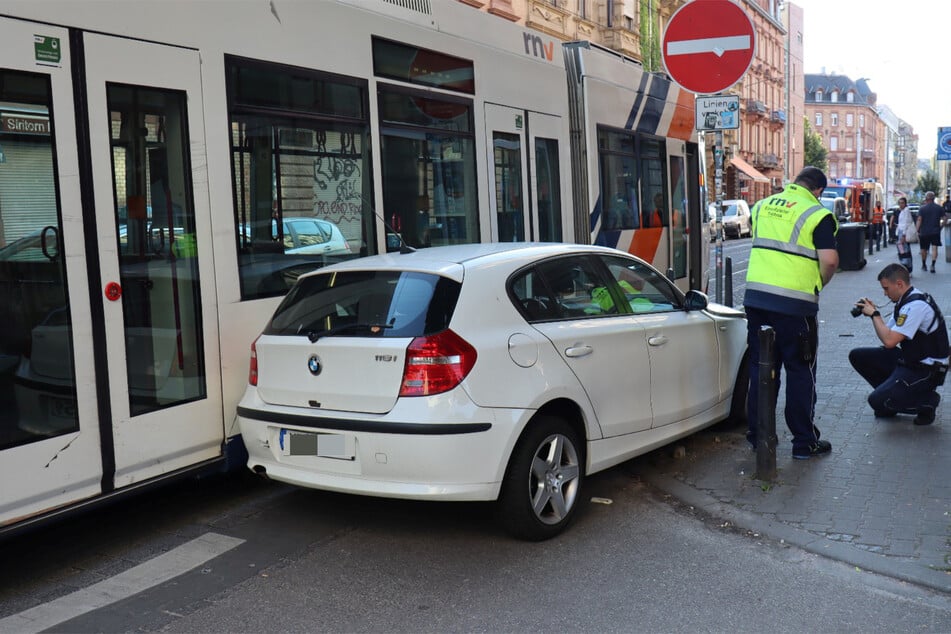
(301, 172)
(422, 66)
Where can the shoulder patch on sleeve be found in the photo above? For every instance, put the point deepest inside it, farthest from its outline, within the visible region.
(900, 320)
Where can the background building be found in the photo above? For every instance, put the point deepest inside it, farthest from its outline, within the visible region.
(844, 113)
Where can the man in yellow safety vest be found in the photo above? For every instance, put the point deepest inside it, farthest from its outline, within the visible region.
(793, 256)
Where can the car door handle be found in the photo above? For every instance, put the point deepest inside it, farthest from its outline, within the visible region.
(657, 340)
(578, 351)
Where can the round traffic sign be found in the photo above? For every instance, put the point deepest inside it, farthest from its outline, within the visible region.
(708, 45)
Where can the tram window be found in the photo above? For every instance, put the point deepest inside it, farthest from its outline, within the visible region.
(548, 189)
(37, 378)
(678, 227)
(301, 172)
(158, 247)
(653, 175)
(507, 151)
(618, 181)
(429, 178)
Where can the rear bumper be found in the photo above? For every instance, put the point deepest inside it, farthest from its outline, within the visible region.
(460, 455)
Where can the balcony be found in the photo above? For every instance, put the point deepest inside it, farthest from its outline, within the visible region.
(868, 154)
(756, 107)
(766, 160)
(778, 116)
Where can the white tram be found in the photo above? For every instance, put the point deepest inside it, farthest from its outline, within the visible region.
(167, 169)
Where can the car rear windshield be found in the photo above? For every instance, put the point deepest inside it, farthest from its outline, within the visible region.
(366, 303)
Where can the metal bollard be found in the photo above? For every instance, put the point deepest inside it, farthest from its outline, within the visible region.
(728, 278)
(946, 240)
(766, 408)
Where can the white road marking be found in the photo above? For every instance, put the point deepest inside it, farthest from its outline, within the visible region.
(154, 572)
(716, 45)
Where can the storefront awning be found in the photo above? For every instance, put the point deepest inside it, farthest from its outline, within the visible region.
(748, 169)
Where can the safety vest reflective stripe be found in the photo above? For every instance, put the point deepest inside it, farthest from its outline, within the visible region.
(792, 246)
(785, 247)
(784, 292)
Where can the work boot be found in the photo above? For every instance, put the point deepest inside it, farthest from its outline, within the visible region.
(804, 453)
(926, 411)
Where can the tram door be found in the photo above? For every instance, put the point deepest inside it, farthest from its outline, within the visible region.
(679, 207)
(154, 233)
(525, 193)
(50, 449)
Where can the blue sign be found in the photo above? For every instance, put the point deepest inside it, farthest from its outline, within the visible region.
(944, 144)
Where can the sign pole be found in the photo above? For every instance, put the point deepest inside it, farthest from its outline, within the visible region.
(718, 180)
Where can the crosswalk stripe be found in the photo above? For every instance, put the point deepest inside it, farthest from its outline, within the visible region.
(147, 575)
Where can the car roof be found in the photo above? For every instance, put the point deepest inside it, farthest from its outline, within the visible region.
(450, 261)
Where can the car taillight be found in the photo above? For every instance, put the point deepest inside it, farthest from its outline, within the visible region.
(253, 370)
(436, 364)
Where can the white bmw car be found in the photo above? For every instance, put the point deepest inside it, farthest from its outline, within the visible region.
(503, 372)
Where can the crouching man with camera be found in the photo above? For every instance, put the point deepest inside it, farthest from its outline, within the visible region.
(913, 360)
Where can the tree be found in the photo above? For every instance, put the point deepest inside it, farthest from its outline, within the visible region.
(650, 43)
(927, 182)
(814, 153)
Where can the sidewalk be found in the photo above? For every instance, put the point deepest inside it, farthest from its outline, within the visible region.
(881, 501)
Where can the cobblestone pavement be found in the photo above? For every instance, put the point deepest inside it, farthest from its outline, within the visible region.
(881, 500)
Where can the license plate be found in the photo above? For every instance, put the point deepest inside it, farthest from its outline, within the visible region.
(302, 443)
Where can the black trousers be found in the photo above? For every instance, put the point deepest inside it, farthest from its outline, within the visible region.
(898, 388)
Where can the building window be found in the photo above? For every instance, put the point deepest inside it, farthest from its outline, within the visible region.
(833, 143)
(818, 95)
(818, 118)
(861, 120)
(834, 119)
(834, 96)
(848, 120)
(850, 96)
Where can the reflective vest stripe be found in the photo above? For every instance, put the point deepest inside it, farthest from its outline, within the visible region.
(792, 246)
(784, 292)
(785, 247)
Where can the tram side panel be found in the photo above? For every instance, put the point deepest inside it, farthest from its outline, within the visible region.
(626, 124)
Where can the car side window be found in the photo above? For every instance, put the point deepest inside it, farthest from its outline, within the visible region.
(563, 288)
(642, 288)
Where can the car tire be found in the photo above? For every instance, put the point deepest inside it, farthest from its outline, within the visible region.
(542, 485)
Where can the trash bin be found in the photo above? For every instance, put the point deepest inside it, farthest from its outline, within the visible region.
(850, 242)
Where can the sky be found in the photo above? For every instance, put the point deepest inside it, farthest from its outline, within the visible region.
(903, 48)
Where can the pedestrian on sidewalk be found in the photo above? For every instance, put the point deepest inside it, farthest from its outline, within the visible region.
(913, 358)
(905, 229)
(930, 221)
(793, 256)
(878, 225)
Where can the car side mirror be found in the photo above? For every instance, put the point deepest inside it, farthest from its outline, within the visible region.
(695, 300)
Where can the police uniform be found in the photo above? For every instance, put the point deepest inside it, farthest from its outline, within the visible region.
(782, 291)
(905, 377)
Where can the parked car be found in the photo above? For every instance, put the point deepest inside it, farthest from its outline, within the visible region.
(505, 372)
(314, 235)
(736, 219)
(711, 223)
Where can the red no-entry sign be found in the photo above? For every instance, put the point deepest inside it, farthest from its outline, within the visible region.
(708, 45)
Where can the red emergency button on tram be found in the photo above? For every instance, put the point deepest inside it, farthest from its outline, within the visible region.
(113, 291)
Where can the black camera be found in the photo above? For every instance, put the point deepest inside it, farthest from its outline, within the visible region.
(857, 310)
